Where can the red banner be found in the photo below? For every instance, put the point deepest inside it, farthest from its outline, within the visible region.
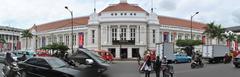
(81, 39)
(18, 45)
(204, 39)
(9, 46)
(228, 43)
(236, 45)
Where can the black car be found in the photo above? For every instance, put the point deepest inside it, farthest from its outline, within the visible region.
(236, 61)
(47, 67)
(89, 62)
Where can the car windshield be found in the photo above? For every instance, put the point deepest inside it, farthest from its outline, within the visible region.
(56, 63)
(96, 56)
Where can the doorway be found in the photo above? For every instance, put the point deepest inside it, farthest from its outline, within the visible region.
(113, 51)
(123, 53)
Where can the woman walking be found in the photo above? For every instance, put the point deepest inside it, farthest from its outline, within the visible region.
(148, 66)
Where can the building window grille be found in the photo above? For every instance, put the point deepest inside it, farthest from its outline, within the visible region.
(133, 33)
(114, 33)
(67, 39)
(93, 36)
(123, 33)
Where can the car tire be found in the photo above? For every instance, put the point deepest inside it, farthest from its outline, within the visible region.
(237, 66)
(175, 61)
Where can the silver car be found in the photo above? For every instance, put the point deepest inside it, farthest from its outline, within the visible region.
(3, 55)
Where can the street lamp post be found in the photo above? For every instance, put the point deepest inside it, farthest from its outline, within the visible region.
(191, 23)
(71, 12)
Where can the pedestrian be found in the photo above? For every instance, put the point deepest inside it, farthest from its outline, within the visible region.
(24, 57)
(148, 66)
(139, 59)
(157, 66)
(8, 62)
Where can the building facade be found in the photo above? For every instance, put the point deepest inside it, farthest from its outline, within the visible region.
(124, 29)
(10, 38)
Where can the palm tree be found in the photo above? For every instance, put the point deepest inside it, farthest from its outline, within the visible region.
(219, 33)
(26, 34)
(238, 38)
(210, 31)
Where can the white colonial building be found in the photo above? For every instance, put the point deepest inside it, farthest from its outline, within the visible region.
(124, 29)
(11, 36)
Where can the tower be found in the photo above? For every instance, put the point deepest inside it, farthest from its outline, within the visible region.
(123, 1)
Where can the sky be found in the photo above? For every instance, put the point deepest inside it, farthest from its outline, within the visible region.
(25, 13)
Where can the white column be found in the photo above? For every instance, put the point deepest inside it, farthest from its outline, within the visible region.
(118, 53)
(77, 40)
(109, 35)
(157, 35)
(170, 36)
(137, 35)
(118, 32)
(129, 52)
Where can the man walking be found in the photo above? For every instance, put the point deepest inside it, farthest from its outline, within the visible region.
(157, 66)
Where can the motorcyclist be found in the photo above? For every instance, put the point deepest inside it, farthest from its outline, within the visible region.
(8, 62)
(198, 58)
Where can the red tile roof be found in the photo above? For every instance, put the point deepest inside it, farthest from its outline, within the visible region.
(119, 7)
(181, 22)
(123, 7)
(63, 23)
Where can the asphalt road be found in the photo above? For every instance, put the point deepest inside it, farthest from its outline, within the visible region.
(130, 69)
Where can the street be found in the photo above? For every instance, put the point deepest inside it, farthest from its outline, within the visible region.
(129, 69)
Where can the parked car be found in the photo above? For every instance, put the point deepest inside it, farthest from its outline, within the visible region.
(89, 61)
(182, 58)
(3, 55)
(47, 67)
(28, 53)
(236, 61)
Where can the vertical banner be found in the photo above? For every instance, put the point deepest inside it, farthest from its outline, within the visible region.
(9, 46)
(204, 40)
(18, 45)
(81, 39)
(228, 43)
(166, 37)
(236, 45)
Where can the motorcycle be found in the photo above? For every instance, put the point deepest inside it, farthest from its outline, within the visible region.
(196, 65)
(167, 70)
(12, 71)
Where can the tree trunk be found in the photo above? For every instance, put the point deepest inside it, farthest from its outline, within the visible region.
(26, 43)
(218, 41)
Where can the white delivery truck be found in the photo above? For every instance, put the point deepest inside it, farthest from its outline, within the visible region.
(165, 49)
(214, 53)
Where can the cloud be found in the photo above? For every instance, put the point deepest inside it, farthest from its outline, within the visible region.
(168, 5)
(236, 16)
(25, 13)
